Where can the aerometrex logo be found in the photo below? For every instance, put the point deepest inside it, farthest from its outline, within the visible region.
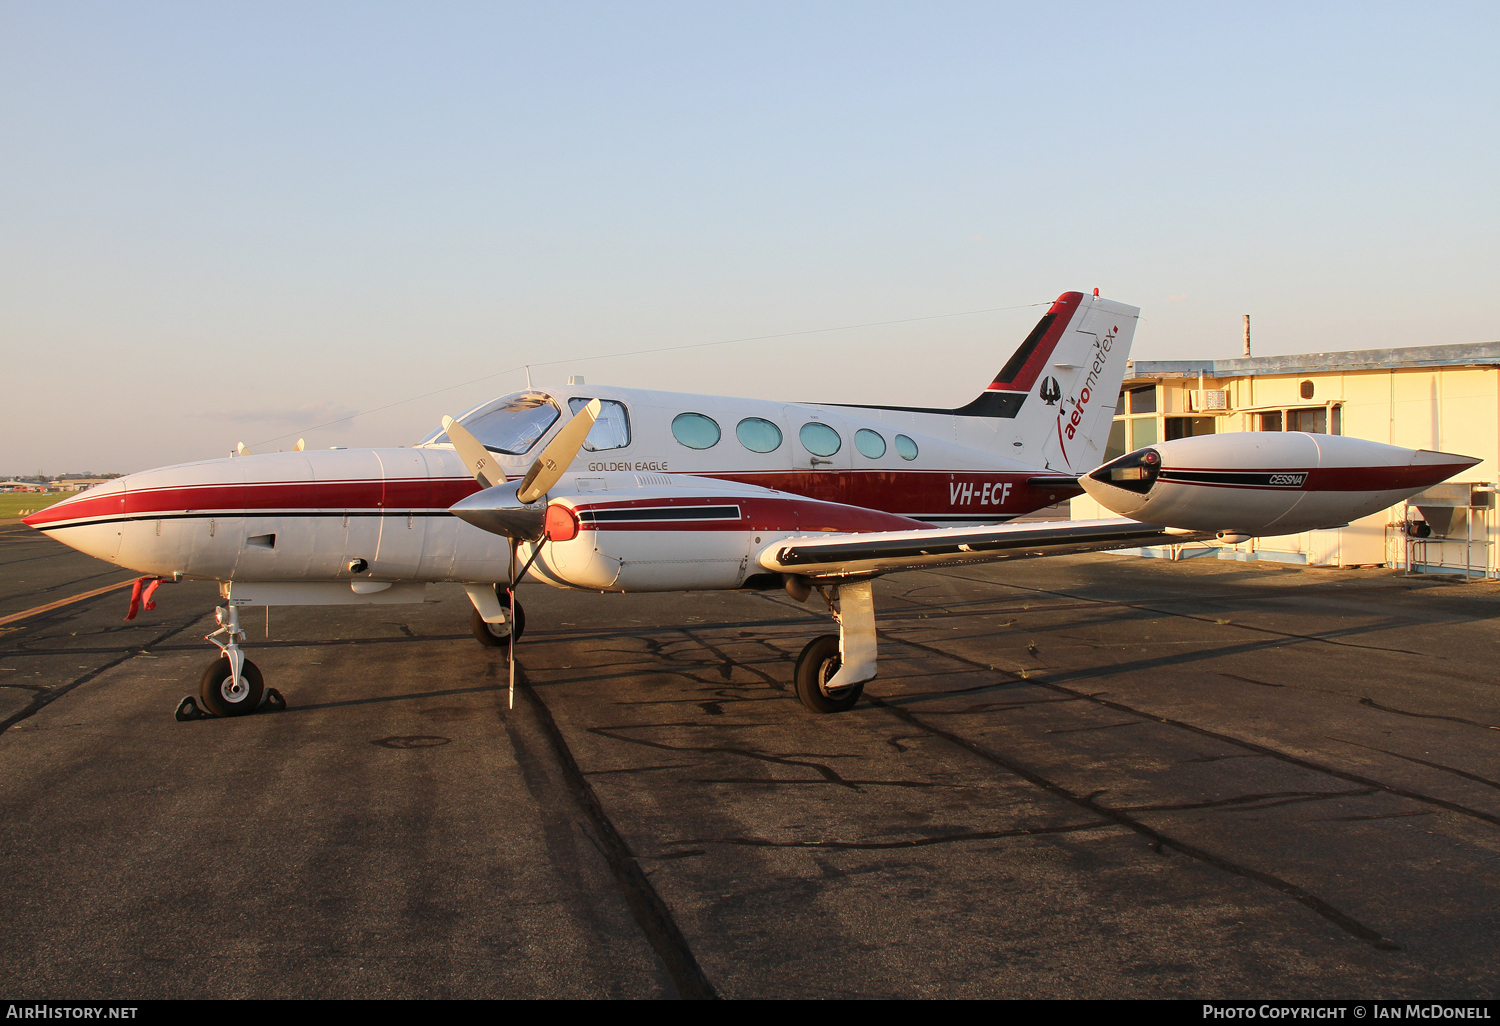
(1051, 391)
(1071, 414)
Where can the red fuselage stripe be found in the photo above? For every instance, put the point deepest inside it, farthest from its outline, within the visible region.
(980, 494)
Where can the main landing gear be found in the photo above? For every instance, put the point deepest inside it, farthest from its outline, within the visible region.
(833, 669)
(232, 685)
(492, 621)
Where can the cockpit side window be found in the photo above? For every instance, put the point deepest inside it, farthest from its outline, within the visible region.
(612, 428)
(511, 425)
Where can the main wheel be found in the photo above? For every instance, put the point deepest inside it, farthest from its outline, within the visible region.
(226, 696)
(497, 635)
(816, 666)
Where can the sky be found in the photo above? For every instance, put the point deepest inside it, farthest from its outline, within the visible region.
(239, 222)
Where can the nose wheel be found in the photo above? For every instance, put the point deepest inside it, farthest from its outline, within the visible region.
(226, 693)
(232, 685)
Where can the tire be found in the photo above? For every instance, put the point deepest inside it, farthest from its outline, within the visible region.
(817, 664)
(219, 698)
(497, 635)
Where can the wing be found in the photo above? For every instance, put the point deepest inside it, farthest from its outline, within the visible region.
(863, 555)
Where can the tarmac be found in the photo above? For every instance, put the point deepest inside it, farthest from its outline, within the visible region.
(1091, 776)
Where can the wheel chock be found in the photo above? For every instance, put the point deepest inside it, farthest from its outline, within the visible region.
(188, 709)
(272, 701)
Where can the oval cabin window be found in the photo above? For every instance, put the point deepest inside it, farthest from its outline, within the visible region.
(820, 439)
(869, 443)
(695, 431)
(758, 435)
(906, 448)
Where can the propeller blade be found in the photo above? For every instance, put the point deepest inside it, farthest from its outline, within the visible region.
(301, 444)
(559, 454)
(240, 449)
(479, 460)
(511, 615)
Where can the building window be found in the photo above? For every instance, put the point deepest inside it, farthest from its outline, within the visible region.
(1186, 427)
(1142, 432)
(1136, 424)
(1269, 421)
(1143, 400)
(1312, 421)
(1116, 445)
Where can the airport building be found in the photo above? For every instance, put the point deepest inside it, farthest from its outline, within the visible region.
(1428, 397)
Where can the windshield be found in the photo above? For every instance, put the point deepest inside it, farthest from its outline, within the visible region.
(510, 425)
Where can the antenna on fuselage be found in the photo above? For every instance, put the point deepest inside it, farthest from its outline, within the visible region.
(528, 377)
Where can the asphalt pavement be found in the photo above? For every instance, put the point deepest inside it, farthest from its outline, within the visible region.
(1093, 776)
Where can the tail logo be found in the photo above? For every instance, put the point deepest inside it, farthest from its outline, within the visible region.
(1051, 391)
(1068, 420)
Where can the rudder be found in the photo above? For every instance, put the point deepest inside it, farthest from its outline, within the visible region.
(1059, 386)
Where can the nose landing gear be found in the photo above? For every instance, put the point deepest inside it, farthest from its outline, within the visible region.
(232, 685)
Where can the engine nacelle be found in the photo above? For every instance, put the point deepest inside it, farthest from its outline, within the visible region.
(1265, 482)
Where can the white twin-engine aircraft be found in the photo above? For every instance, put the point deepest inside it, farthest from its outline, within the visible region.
(637, 491)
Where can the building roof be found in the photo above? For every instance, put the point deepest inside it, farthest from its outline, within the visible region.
(1468, 354)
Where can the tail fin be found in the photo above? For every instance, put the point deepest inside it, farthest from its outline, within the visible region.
(1059, 388)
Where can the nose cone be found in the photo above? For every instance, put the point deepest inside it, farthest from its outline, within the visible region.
(1429, 468)
(499, 511)
(1124, 485)
(89, 521)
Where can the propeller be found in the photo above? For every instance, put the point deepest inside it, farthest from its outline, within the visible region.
(559, 454)
(511, 511)
(475, 456)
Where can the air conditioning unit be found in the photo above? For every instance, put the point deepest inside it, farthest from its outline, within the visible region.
(1210, 400)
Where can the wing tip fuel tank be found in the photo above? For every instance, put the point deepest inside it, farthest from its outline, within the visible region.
(1261, 483)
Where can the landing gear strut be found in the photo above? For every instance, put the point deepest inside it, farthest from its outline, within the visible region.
(832, 670)
(232, 685)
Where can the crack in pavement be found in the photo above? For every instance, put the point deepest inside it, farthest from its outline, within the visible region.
(45, 698)
(1149, 608)
(1326, 909)
(1425, 716)
(1250, 746)
(828, 773)
(915, 842)
(1422, 762)
(1241, 803)
(847, 781)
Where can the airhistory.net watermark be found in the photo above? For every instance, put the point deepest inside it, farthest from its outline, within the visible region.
(70, 1011)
